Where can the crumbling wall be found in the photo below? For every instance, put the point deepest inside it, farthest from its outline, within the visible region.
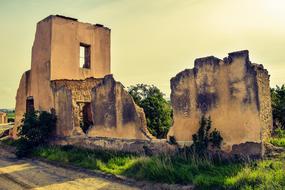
(137, 146)
(22, 94)
(233, 92)
(115, 113)
(55, 56)
(68, 95)
(265, 101)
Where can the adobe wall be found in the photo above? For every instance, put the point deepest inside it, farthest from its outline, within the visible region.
(233, 91)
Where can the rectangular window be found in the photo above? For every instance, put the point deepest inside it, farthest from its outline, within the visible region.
(84, 56)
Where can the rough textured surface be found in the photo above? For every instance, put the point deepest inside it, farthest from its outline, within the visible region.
(141, 147)
(115, 113)
(68, 95)
(233, 91)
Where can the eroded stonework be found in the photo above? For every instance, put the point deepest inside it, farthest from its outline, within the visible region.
(234, 92)
(113, 112)
(68, 96)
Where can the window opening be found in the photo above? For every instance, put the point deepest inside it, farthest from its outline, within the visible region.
(84, 56)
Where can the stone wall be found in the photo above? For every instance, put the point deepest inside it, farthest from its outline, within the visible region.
(68, 95)
(234, 92)
(136, 146)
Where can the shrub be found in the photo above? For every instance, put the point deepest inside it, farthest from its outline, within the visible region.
(35, 131)
(216, 139)
(202, 138)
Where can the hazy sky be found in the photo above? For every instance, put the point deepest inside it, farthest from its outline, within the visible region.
(152, 40)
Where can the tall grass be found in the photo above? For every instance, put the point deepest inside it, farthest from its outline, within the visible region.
(204, 173)
(181, 169)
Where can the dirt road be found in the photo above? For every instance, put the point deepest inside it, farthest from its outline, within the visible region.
(33, 174)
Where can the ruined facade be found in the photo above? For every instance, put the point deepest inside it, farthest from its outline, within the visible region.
(234, 92)
(3, 118)
(69, 62)
(70, 76)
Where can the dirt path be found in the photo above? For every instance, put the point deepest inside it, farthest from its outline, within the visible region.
(33, 174)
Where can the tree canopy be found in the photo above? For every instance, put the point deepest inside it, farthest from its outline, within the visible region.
(278, 106)
(157, 109)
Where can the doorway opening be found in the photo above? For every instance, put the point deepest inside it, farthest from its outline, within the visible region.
(30, 107)
(86, 120)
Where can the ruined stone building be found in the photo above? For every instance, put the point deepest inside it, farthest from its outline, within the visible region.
(234, 92)
(3, 118)
(70, 74)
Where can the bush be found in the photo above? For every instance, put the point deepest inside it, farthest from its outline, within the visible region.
(202, 138)
(35, 131)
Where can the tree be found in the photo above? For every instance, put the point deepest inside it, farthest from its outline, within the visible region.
(278, 106)
(158, 111)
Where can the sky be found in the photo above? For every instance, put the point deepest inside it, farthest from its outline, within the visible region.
(151, 40)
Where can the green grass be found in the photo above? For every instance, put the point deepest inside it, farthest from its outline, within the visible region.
(263, 175)
(203, 173)
(278, 142)
(181, 169)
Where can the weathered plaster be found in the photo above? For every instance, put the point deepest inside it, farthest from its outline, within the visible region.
(233, 91)
(115, 113)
